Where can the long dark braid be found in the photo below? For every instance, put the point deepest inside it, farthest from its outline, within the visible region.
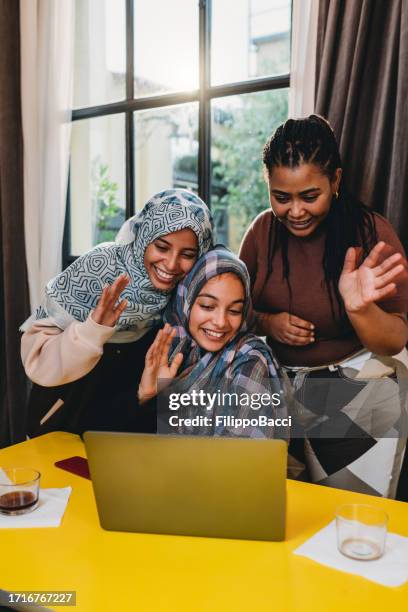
(348, 223)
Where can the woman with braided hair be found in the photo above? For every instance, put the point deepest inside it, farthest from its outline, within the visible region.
(331, 297)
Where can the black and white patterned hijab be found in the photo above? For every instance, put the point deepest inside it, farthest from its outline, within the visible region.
(74, 293)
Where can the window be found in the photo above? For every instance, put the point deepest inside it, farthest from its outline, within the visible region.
(173, 94)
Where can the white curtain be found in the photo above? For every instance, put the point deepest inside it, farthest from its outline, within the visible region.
(303, 62)
(47, 45)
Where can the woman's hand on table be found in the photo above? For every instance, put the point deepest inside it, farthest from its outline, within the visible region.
(109, 308)
(361, 286)
(157, 366)
(287, 328)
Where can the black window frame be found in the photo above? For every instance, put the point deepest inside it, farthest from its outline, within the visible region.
(203, 96)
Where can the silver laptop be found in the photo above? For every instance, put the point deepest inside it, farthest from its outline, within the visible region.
(189, 485)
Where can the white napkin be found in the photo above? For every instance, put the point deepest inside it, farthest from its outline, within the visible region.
(390, 570)
(4, 479)
(48, 513)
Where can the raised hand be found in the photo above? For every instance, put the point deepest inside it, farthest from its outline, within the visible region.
(157, 366)
(371, 281)
(109, 308)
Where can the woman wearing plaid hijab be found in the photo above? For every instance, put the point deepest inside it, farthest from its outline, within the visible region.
(205, 346)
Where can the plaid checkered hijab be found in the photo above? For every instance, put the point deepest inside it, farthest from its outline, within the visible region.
(202, 368)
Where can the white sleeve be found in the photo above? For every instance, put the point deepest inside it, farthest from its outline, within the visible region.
(52, 356)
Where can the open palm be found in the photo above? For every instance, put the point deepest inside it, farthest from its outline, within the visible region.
(370, 282)
(109, 306)
(157, 368)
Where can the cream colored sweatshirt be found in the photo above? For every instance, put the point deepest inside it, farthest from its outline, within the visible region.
(52, 356)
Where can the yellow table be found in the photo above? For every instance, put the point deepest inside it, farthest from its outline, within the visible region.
(150, 573)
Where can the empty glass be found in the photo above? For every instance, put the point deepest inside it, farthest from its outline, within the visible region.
(361, 531)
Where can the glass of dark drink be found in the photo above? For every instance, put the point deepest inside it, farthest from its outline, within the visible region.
(19, 490)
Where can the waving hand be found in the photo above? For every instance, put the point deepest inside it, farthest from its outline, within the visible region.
(371, 281)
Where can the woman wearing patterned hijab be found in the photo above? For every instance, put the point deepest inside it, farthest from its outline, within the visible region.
(205, 346)
(84, 347)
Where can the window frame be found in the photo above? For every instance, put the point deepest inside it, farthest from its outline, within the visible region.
(204, 95)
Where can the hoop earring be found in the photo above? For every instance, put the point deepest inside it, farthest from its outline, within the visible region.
(336, 195)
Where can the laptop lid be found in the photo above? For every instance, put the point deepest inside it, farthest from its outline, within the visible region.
(189, 485)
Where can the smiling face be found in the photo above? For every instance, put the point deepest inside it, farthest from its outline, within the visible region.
(217, 312)
(169, 258)
(301, 196)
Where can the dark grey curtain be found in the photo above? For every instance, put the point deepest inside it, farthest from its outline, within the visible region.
(362, 88)
(14, 304)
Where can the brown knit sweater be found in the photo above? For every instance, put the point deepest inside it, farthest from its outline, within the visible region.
(310, 297)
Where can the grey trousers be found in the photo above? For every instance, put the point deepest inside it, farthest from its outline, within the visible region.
(351, 426)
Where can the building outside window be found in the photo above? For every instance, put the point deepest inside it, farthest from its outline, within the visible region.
(173, 94)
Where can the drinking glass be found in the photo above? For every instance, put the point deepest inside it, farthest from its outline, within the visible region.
(19, 490)
(361, 531)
